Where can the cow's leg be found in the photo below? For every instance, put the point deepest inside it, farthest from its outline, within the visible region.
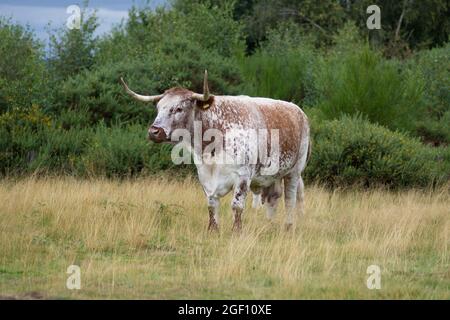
(238, 202)
(271, 196)
(257, 202)
(291, 183)
(213, 209)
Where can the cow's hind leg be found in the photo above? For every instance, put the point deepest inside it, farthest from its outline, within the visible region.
(257, 202)
(213, 209)
(291, 183)
(238, 202)
(271, 196)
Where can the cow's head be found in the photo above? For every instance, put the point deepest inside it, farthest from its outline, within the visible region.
(175, 109)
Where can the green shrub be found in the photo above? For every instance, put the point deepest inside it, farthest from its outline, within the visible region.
(282, 68)
(23, 76)
(434, 125)
(73, 50)
(120, 152)
(355, 79)
(60, 151)
(20, 137)
(116, 151)
(98, 96)
(73, 119)
(154, 51)
(352, 151)
(176, 47)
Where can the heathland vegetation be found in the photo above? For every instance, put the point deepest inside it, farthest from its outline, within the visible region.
(378, 100)
(81, 185)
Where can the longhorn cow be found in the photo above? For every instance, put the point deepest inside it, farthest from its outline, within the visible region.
(286, 137)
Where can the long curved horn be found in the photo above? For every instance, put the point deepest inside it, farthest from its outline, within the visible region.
(205, 96)
(138, 96)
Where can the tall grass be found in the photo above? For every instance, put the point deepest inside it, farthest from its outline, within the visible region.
(148, 239)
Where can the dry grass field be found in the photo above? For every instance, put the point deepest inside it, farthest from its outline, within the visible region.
(147, 239)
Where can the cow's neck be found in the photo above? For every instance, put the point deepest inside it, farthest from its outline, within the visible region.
(203, 117)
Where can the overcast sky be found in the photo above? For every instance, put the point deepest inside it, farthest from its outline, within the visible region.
(38, 13)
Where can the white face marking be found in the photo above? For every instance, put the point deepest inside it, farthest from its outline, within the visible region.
(172, 113)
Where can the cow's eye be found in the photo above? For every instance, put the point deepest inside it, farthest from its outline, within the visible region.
(178, 109)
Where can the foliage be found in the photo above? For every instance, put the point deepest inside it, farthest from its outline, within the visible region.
(18, 119)
(67, 113)
(22, 70)
(98, 95)
(423, 24)
(435, 126)
(352, 151)
(280, 74)
(175, 52)
(355, 79)
(73, 50)
(20, 137)
(117, 152)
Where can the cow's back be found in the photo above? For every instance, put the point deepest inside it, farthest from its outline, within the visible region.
(243, 112)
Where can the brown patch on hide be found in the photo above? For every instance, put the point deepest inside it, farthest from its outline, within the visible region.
(289, 122)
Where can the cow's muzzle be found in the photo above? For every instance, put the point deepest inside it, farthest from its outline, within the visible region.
(157, 134)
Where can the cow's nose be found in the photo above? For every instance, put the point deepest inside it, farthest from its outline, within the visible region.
(155, 131)
(156, 134)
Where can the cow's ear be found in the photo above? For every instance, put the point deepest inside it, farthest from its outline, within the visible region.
(203, 105)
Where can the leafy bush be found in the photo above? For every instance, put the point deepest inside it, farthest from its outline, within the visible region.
(352, 151)
(282, 68)
(20, 137)
(59, 151)
(154, 51)
(116, 151)
(179, 45)
(434, 125)
(364, 83)
(98, 96)
(355, 79)
(73, 50)
(119, 152)
(73, 119)
(22, 70)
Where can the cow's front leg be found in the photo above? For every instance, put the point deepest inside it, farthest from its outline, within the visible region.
(213, 209)
(238, 202)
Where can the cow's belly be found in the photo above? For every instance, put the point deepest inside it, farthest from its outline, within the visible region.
(264, 181)
(217, 180)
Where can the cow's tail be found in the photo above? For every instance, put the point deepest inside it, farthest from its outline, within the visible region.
(308, 155)
(301, 186)
(305, 144)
